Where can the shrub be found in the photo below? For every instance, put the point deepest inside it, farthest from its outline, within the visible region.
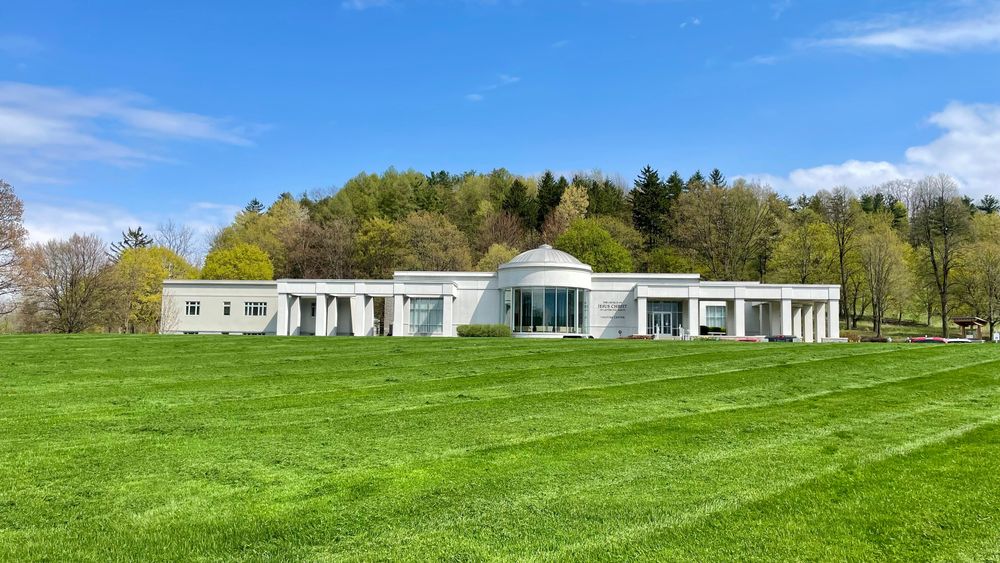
(484, 331)
(705, 330)
(875, 339)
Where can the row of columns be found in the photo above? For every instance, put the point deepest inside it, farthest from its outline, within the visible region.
(289, 317)
(809, 321)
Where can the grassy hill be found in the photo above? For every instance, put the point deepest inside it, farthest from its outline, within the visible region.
(309, 448)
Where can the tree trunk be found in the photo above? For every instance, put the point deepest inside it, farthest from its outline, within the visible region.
(944, 316)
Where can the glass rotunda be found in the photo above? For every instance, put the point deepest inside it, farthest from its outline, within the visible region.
(546, 293)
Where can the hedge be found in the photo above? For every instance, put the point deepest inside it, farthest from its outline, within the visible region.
(484, 331)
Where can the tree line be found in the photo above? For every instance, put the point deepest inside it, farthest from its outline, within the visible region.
(901, 249)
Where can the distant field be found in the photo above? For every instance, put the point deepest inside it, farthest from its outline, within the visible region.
(199, 447)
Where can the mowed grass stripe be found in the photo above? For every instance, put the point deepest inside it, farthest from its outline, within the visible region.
(577, 461)
(332, 411)
(500, 471)
(607, 461)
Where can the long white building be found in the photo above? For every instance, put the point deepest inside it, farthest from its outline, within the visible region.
(543, 293)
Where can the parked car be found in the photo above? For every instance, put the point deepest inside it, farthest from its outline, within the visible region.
(927, 340)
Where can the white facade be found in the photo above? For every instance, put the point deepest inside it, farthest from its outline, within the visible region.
(540, 293)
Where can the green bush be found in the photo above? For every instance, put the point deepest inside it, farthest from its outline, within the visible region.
(485, 331)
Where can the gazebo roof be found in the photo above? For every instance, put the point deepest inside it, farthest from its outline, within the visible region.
(969, 321)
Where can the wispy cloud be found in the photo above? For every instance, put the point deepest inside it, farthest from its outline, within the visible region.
(966, 149)
(42, 128)
(690, 22)
(779, 7)
(359, 5)
(560, 44)
(502, 80)
(975, 26)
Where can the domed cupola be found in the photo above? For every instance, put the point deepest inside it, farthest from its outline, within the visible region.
(545, 267)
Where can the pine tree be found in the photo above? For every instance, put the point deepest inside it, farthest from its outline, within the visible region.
(650, 204)
(255, 206)
(675, 186)
(696, 181)
(550, 191)
(989, 205)
(132, 238)
(518, 203)
(716, 179)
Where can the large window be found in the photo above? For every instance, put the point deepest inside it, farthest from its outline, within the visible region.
(192, 308)
(559, 310)
(715, 316)
(255, 308)
(426, 315)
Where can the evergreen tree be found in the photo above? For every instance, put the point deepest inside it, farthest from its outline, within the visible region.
(716, 179)
(519, 204)
(255, 206)
(650, 203)
(675, 186)
(132, 238)
(695, 182)
(989, 205)
(550, 191)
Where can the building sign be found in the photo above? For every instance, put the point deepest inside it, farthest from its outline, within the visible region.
(612, 310)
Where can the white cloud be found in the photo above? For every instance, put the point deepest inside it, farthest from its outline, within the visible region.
(967, 150)
(975, 27)
(560, 44)
(43, 128)
(359, 5)
(503, 80)
(693, 22)
(47, 220)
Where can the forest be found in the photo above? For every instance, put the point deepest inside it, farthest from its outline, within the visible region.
(907, 249)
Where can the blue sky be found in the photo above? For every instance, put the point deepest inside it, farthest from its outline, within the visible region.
(118, 113)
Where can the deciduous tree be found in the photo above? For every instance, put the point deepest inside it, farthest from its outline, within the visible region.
(591, 244)
(434, 244)
(12, 240)
(238, 262)
(496, 255)
(941, 225)
(69, 279)
(883, 258)
(726, 230)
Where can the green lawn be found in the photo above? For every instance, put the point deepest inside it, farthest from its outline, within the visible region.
(199, 447)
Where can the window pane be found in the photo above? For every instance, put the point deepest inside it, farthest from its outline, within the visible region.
(537, 309)
(571, 310)
(549, 319)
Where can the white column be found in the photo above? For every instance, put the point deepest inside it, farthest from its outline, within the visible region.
(397, 316)
(282, 318)
(786, 317)
(295, 316)
(357, 315)
(321, 314)
(331, 316)
(739, 326)
(820, 321)
(692, 317)
(807, 323)
(640, 312)
(797, 321)
(369, 318)
(833, 319)
(448, 322)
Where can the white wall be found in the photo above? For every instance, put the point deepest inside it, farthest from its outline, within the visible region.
(212, 296)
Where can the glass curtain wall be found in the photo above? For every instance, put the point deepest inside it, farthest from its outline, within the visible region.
(553, 310)
(426, 315)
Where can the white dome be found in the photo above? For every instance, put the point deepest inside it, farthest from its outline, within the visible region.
(545, 254)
